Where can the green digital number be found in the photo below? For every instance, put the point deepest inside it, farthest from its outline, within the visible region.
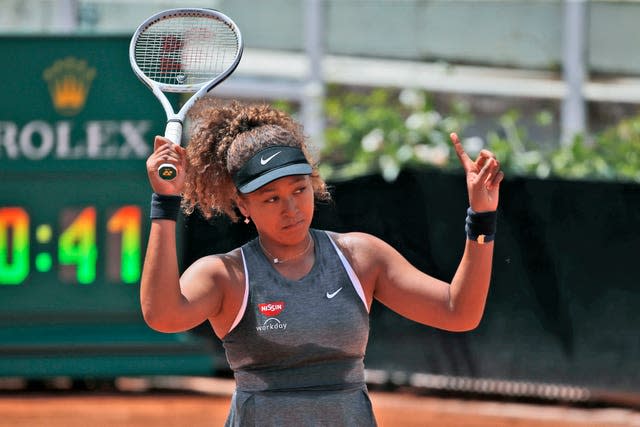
(77, 246)
(125, 222)
(14, 245)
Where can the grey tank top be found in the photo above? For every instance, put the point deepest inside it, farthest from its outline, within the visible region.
(297, 346)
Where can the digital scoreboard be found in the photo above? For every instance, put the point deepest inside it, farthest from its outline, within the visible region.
(74, 246)
(75, 131)
(76, 128)
(81, 239)
(77, 236)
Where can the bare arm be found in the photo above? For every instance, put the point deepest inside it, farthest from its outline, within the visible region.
(391, 279)
(160, 283)
(457, 306)
(168, 303)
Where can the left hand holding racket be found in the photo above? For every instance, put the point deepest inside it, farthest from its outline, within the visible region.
(165, 152)
(483, 177)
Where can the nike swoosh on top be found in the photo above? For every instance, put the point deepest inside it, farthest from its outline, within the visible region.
(333, 294)
(268, 159)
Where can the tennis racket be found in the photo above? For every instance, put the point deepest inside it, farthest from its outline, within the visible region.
(184, 51)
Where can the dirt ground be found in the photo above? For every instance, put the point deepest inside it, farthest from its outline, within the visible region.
(209, 408)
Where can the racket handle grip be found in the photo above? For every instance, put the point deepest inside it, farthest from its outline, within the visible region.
(173, 132)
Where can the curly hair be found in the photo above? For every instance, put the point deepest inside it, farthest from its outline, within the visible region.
(223, 137)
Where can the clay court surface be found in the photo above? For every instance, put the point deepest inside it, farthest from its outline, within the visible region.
(209, 408)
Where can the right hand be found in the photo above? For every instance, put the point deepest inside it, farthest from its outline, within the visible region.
(164, 151)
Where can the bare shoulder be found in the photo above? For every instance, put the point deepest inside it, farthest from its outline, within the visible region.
(354, 240)
(224, 268)
(367, 253)
(363, 250)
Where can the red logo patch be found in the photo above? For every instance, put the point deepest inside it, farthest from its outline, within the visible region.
(271, 308)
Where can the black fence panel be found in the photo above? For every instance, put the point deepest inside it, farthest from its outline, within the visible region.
(564, 303)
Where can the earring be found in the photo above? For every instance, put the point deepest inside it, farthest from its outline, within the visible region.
(247, 220)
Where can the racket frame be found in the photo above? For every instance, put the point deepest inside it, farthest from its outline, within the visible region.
(173, 130)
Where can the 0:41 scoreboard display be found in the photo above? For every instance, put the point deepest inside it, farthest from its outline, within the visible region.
(70, 246)
(74, 196)
(76, 130)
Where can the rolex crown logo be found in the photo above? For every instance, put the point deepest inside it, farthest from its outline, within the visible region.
(69, 81)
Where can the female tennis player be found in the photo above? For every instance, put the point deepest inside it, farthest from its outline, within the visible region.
(291, 306)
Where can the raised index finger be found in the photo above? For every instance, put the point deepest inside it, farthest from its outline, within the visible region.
(466, 161)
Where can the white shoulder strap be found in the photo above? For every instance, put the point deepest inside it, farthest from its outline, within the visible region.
(352, 274)
(243, 307)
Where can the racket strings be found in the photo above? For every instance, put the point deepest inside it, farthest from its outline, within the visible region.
(186, 50)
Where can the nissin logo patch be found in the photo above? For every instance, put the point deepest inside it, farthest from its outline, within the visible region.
(271, 308)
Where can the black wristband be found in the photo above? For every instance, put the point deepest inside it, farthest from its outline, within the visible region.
(481, 226)
(165, 206)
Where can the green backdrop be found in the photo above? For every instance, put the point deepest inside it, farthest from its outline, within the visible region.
(76, 127)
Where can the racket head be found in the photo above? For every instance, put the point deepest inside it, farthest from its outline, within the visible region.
(186, 49)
